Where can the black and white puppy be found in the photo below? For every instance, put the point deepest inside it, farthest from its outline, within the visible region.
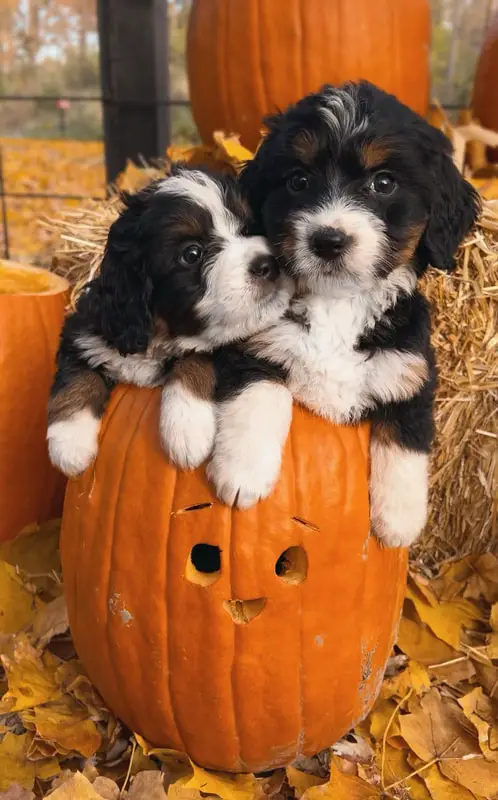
(357, 195)
(179, 275)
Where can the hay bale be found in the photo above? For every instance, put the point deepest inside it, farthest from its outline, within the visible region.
(465, 334)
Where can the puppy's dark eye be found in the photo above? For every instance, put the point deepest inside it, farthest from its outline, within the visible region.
(383, 183)
(297, 182)
(191, 254)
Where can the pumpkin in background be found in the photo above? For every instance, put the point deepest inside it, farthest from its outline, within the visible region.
(485, 93)
(244, 638)
(32, 303)
(248, 58)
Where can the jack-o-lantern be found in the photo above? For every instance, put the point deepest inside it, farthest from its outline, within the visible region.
(245, 638)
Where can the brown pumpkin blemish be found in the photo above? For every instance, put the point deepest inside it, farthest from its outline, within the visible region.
(244, 611)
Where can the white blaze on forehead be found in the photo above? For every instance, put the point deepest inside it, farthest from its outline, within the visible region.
(341, 113)
(206, 192)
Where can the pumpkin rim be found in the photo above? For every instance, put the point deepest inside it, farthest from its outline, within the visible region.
(55, 284)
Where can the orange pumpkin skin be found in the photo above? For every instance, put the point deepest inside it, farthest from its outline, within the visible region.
(249, 58)
(31, 490)
(164, 652)
(485, 93)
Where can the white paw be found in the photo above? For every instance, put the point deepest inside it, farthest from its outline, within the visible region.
(398, 495)
(73, 442)
(241, 480)
(252, 429)
(187, 427)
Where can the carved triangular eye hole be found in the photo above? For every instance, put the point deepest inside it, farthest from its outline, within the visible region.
(204, 564)
(292, 565)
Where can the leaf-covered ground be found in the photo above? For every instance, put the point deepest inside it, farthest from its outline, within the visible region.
(433, 732)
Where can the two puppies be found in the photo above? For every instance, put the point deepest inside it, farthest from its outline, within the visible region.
(357, 195)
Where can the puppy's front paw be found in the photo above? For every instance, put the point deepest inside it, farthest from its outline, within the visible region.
(242, 481)
(187, 427)
(398, 497)
(73, 442)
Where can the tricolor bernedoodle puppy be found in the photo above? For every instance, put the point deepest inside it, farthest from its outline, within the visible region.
(179, 275)
(357, 195)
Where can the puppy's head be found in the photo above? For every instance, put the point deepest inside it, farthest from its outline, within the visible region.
(179, 260)
(350, 184)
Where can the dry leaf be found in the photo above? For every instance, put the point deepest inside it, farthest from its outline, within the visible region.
(18, 605)
(301, 781)
(441, 788)
(66, 725)
(14, 767)
(51, 620)
(437, 729)
(178, 792)
(419, 643)
(147, 786)
(397, 768)
(16, 792)
(415, 677)
(483, 714)
(31, 683)
(35, 551)
(76, 788)
(107, 789)
(226, 786)
(446, 620)
(343, 787)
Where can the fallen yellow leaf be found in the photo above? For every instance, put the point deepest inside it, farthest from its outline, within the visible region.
(301, 781)
(447, 619)
(396, 771)
(343, 787)
(415, 677)
(76, 788)
(441, 788)
(31, 683)
(226, 786)
(66, 725)
(147, 786)
(35, 551)
(480, 711)
(14, 766)
(17, 606)
(418, 642)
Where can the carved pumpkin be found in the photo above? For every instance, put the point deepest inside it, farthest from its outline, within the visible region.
(244, 638)
(32, 303)
(485, 94)
(248, 58)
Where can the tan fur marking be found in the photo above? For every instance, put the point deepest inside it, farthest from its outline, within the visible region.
(87, 390)
(374, 154)
(405, 255)
(197, 375)
(306, 146)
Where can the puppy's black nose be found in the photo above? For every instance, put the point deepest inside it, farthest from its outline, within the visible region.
(329, 243)
(265, 267)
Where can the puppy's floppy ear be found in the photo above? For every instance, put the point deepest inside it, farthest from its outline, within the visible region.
(455, 207)
(124, 300)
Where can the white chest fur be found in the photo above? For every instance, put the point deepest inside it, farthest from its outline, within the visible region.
(326, 373)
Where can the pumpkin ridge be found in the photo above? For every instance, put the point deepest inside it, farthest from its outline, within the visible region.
(260, 59)
(168, 648)
(120, 495)
(235, 640)
(301, 735)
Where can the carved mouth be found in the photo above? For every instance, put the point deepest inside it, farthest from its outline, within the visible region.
(244, 611)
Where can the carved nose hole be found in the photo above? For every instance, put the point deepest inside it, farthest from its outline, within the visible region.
(243, 611)
(204, 564)
(292, 565)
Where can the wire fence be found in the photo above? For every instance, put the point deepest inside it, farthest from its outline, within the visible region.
(61, 105)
